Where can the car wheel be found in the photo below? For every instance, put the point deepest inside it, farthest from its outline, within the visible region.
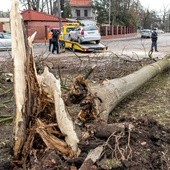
(69, 38)
(98, 41)
(72, 48)
(79, 40)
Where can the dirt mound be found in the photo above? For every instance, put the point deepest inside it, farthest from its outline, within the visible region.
(144, 147)
(148, 141)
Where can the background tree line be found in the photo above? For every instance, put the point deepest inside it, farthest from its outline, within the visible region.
(129, 13)
(114, 12)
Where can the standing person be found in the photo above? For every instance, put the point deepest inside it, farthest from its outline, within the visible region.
(50, 35)
(55, 42)
(154, 38)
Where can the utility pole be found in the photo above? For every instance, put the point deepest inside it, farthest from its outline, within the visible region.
(59, 14)
(109, 12)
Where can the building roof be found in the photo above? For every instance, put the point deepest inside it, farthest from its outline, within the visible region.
(81, 3)
(32, 15)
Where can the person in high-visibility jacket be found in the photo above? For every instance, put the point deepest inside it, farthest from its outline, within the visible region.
(55, 40)
(50, 35)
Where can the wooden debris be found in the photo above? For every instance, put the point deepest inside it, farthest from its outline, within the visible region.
(51, 141)
(92, 157)
(51, 86)
(101, 129)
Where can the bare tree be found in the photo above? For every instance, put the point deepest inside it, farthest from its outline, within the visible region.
(165, 17)
(124, 12)
(38, 5)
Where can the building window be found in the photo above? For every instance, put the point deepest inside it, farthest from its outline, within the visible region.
(78, 12)
(86, 13)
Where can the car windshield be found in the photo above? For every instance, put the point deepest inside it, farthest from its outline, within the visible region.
(90, 28)
(5, 36)
(70, 29)
(145, 30)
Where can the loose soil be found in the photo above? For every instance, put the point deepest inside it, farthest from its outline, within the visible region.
(146, 146)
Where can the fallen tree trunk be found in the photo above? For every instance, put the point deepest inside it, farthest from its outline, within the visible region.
(111, 92)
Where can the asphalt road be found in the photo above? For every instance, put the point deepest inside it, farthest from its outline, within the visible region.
(133, 47)
(137, 47)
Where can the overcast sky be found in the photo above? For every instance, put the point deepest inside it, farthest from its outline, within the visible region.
(157, 5)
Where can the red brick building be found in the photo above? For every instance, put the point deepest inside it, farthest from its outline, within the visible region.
(41, 23)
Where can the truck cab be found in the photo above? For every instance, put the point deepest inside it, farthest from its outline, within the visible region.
(66, 29)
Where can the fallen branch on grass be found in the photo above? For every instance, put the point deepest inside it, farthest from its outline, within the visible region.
(6, 119)
(6, 92)
(2, 106)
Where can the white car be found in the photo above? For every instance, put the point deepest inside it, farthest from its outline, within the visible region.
(5, 41)
(160, 31)
(146, 33)
(85, 34)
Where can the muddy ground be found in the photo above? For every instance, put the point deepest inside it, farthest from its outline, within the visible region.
(146, 147)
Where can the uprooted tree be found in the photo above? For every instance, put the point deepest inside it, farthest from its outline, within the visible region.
(42, 122)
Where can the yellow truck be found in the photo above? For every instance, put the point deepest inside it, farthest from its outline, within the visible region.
(66, 29)
(75, 46)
